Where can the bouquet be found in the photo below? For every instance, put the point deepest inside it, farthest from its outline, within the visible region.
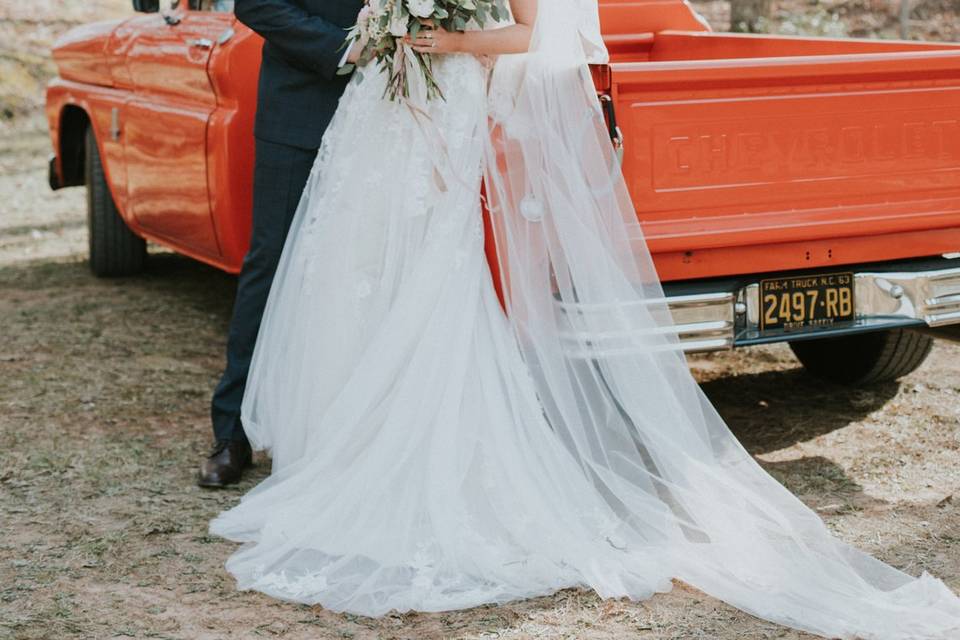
(383, 24)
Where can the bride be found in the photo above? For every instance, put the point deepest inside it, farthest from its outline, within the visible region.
(432, 452)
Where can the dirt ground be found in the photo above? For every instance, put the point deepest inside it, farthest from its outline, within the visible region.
(104, 388)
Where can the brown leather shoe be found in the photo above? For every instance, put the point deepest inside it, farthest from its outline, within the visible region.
(225, 464)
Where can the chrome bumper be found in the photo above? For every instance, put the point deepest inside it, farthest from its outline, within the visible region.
(884, 299)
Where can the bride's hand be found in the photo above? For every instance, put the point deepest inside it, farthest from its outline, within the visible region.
(435, 40)
(355, 52)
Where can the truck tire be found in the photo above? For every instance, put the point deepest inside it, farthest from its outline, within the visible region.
(864, 359)
(114, 249)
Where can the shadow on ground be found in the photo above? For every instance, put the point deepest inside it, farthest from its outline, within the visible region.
(773, 410)
(103, 417)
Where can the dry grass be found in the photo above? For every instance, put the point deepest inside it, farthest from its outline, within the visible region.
(929, 19)
(27, 29)
(103, 415)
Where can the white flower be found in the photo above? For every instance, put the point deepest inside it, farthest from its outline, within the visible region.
(531, 208)
(363, 24)
(398, 21)
(364, 289)
(421, 8)
(377, 10)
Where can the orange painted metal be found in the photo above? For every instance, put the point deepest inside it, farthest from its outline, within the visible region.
(743, 154)
(98, 103)
(730, 160)
(80, 53)
(234, 70)
(166, 126)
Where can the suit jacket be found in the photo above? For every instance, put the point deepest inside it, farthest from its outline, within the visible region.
(299, 85)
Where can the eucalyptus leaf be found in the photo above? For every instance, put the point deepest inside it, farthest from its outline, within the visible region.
(384, 49)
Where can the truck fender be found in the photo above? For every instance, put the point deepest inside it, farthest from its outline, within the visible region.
(74, 122)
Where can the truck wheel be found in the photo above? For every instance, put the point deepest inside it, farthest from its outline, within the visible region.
(864, 359)
(114, 249)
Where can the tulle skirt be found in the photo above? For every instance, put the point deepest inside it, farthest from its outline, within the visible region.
(413, 465)
(416, 464)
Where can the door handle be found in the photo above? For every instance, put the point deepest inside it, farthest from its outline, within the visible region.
(171, 19)
(200, 43)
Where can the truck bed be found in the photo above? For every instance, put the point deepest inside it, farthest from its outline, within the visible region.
(752, 154)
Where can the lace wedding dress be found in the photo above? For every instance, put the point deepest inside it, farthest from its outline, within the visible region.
(432, 452)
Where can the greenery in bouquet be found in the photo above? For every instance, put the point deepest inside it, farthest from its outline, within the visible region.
(383, 24)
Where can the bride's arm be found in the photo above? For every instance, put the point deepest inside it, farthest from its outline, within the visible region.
(514, 38)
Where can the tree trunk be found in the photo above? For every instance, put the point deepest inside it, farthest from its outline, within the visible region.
(749, 16)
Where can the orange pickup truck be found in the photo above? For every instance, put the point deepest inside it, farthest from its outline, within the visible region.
(791, 189)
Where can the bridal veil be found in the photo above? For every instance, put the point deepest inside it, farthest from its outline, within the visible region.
(588, 311)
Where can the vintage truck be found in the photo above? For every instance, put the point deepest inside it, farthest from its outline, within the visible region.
(791, 189)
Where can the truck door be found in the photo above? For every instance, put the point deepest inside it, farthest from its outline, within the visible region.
(166, 120)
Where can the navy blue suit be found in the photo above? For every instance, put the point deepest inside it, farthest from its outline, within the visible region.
(298, 95)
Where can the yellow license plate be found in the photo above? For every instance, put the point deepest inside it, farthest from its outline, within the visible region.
(801, 302)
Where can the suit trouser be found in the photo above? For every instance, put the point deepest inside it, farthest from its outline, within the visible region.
(279, 177)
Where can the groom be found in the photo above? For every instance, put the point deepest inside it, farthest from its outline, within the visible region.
(299, 90)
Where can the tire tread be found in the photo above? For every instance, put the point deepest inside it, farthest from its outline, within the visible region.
(114, 249)
(864, 359)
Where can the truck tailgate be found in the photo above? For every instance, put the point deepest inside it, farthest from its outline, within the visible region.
(832, 156)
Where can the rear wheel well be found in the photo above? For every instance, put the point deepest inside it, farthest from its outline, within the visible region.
(74, 122)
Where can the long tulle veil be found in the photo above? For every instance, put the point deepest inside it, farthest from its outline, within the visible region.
(588, 310)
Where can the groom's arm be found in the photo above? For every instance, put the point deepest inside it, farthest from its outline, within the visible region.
(308, 42)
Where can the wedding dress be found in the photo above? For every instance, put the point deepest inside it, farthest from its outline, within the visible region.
(432, 452)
